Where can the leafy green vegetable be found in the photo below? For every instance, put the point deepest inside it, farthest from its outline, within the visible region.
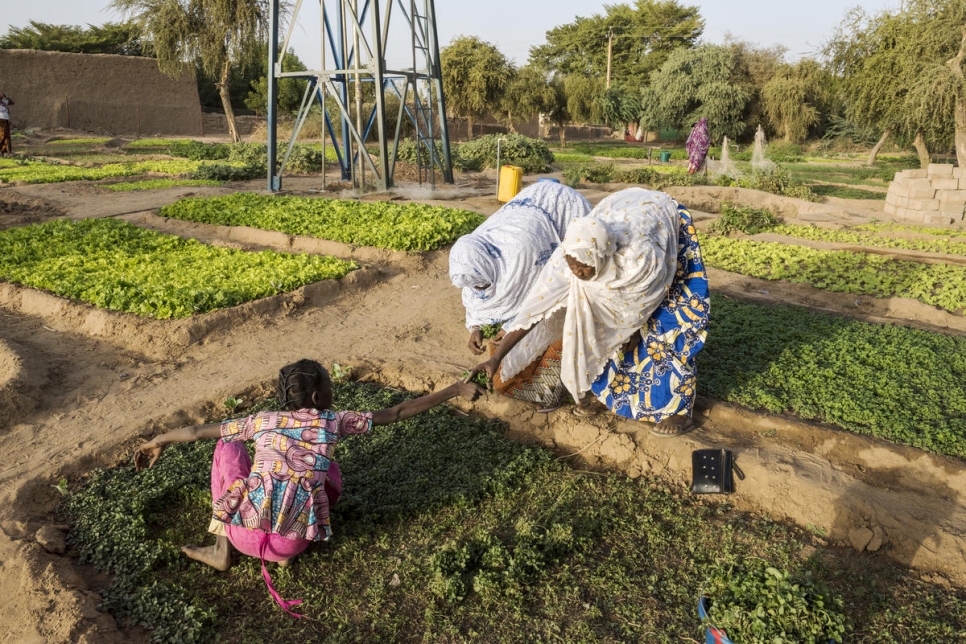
(743, 219)
(37, 172)
(409, 226)
(940, 285)
(114, 265)
(447, 531)
(755, 603)
(870, 237)
(888, 381)
(158, 184)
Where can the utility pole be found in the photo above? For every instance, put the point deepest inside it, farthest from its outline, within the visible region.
(610, 49)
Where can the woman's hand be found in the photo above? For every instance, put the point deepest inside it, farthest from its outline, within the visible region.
(489, 368)
(147, 455)
(476, 341)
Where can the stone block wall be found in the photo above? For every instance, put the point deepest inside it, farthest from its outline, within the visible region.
(935, 196)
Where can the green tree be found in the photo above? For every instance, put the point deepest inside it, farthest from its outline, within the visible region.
(583, 98)
(642, 36)
(886, 62)
(555, 107)
(123, 38)
(290, 90)
(216, 33)
(696, 83)
(475, 74)
(526, 95)
(619, 105)
(794, 99)
(754, 67)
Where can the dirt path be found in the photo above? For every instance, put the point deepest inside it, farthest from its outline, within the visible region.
(90, 402)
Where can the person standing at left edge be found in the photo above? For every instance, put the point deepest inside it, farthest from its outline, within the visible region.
(6, 147)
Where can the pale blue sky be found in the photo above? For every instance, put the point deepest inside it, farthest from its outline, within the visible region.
(516, 25)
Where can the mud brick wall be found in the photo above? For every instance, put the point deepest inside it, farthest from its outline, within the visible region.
(935, 196)
(99, 93)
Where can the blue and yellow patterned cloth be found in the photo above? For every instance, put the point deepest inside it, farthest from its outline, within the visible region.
(657, 378)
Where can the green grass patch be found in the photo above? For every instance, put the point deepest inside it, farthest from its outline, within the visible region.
(571, 157)
(153, 143)
(447, 531)
(843, 192)
(38, 172)
(114, 265)
(158, 184)
(940, 285)
(865, 237)
(380, 224)
(95, 141)
(910, 228)
(891, 382)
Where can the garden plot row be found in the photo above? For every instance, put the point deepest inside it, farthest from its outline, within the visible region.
(447, 529)
(150, 291)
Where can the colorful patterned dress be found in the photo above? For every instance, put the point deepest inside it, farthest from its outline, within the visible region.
(285, 492)
(657, 379)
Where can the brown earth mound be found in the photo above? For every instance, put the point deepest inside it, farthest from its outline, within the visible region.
(18, 210)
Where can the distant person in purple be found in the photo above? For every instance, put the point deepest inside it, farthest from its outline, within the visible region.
(697, 146)
(6, 147)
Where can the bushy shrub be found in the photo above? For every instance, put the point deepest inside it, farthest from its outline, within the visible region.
(410, 152)
(777, 182)
(745, 219)
(532, 155)
(785, 152)
(251, 154)
(198, 151)
(226, 172)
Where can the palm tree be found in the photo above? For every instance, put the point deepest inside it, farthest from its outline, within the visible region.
(217, 33)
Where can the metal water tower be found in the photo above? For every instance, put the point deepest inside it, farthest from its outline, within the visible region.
(352, 85)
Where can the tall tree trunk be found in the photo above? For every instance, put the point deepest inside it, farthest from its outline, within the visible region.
(921, 149)
(956, 65)
(469, 127)
(878, 147)
(225, 95)
(562, 133)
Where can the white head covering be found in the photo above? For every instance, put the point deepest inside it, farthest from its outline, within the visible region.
(507, 251)
(631, 239)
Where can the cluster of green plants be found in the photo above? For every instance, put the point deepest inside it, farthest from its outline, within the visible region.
(656, 178)
(939, 285)
(879, 175)
(865, 378)
(863, 237)
(418, 154)
(78, 142)
(157, 184)
(532, 155)
(153, 143)
(755, 603)
(621, 150)
(381, 224)
(876, 227)
(777, 182)
(115, 265)
(252, 156)
(842, 192)
(446, 530)
(39, 172)
(744, 219)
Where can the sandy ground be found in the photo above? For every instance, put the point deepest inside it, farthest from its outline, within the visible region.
(74, 400)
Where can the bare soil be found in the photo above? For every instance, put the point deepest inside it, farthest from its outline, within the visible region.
(72, 399)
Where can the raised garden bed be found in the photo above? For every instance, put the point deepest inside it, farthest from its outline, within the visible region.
(401, 227)
(149, 291)
(937, 284)
(448, 531)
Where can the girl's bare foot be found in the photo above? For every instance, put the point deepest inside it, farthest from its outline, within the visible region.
(217, 556)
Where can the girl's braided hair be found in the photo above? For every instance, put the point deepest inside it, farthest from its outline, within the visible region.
(298, 381)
